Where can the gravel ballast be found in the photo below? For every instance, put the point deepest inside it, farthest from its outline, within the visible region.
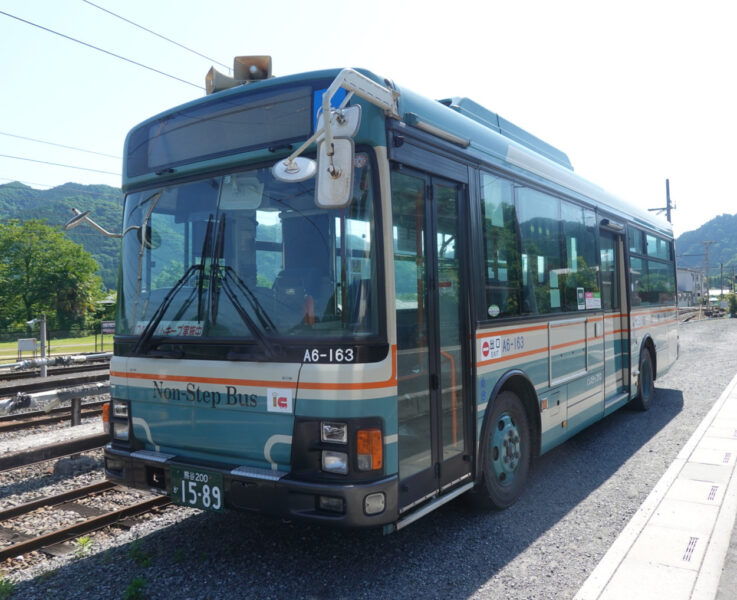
(579, 497)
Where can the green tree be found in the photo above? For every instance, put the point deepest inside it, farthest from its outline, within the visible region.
(41, 271)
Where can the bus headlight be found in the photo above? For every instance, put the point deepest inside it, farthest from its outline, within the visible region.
(120, 431)
(334, 433)
(120, 420)
(335, 462)
(120, 409)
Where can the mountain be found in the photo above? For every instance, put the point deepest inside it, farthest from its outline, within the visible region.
(18, 201)
(721, 230)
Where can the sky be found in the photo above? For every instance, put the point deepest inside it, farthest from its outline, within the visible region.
(635, 92)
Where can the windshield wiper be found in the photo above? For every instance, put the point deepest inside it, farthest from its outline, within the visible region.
(158, 315)
(262, 315)
(203, 255)
(246, 318)
(217, 254)
(148, 331)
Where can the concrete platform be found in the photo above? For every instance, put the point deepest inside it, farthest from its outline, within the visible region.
(676, 545)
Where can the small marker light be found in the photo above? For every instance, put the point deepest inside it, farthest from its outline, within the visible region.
(331, 504)
(106, 417)
(373, 504)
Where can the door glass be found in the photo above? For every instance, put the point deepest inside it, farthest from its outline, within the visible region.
(413, 357)
(609, 281)
(449, 290)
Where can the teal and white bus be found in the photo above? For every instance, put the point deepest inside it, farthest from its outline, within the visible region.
(345, 303)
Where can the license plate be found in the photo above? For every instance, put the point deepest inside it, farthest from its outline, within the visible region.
(198, 489)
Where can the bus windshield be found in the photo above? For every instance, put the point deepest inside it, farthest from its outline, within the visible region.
(244, 256)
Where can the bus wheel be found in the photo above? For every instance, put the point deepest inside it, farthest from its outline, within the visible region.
(506, 451)
(645, 382)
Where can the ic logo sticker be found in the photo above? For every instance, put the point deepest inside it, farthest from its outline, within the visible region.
(279, 400)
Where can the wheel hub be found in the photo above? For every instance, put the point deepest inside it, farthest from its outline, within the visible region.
(506, 450)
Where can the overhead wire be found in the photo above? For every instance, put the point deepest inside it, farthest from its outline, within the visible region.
(156, 34)
(30, 139)
(44, 162)
(101, 50)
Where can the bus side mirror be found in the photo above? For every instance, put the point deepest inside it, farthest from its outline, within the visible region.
(334, 174)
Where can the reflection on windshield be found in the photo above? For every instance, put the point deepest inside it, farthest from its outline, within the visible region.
(244, 256)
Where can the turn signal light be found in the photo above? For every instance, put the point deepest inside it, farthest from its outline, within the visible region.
(106, 417)
(370, 449)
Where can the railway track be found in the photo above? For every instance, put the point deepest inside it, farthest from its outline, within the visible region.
(43, 384)
(36, 454)
(16, 542)
(27, 420)
(6, 378)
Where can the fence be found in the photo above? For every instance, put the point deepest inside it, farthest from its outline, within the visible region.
(58, 342)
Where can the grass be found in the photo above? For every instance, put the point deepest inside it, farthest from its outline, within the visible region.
(135, 588)
(83, 546)
(6, 588)
(77, 345)
(139, 555)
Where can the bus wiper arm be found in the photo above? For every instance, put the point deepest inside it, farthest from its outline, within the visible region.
(215, 276)
(203, 255)
(148, 331)
(250, 323)
(262, 315)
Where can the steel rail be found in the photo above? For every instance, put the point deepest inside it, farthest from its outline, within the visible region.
(21, 375)
(15, 422)
(42, 384)
(75, 494)
(67, 533)
(50, 451)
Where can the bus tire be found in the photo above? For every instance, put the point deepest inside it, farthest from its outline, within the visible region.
(645, 382)
(506, 453)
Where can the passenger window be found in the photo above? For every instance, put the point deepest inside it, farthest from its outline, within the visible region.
(542, 257)
(501, 250)
(580, 273)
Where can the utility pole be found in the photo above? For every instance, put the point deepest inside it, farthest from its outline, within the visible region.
(707, 244)
(668, 206)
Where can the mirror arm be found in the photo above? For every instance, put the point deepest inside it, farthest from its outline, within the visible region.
(99, 228)
(289, 161)
(354, 83)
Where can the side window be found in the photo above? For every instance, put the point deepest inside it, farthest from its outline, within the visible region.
(652, 269)
(501, 250)
(542, 255)
(579, 276)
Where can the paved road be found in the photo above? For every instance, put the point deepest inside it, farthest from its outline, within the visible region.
(581, 495)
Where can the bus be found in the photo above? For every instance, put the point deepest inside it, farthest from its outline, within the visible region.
(345, 303)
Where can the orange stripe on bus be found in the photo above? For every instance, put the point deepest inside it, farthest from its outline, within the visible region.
(391, 382)
(483, 334)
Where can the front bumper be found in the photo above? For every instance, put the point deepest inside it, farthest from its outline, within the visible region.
(259, 490)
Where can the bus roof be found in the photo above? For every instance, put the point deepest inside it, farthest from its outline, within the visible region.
(491, 138)
(488, 137)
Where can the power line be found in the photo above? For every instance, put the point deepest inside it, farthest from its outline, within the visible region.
(22, 137)
(43, 162)
(101, 50)
(156, 34)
